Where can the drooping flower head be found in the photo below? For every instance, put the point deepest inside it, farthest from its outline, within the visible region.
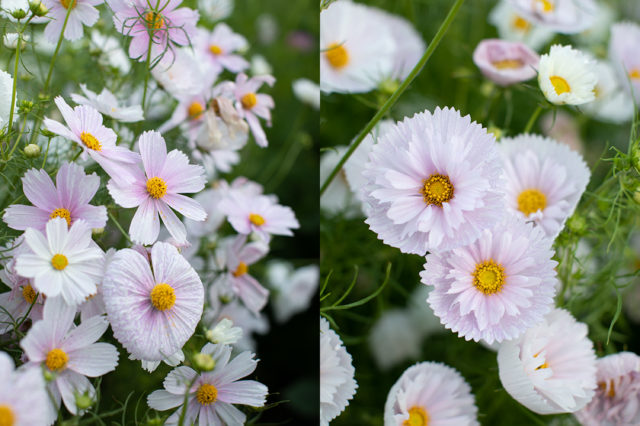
(505, 62)
(513, 26)
(153, 308)
(83, 12)
(68, 352)
(68, 199)
(430, 393)
(96, 140)
(617, 398)
(106, 103)
(567, 76)
(64, 261)
(217, 49)
(23, 396)
(624, 52)
(433, 183)
(337, 383)
(159, 188)
(551, 368)
(212, 394)
(545, 180)
(496, 287)
(563, 16)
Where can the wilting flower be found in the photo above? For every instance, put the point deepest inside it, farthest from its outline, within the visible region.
(68, 199)
(430, 393)
(70, 353)
(212, 394)
(107, 104)
(64, 261)
(153, 308)
(97, 141)
(514, 27)
(82, 13)
(433, 183)
(394, 338)
(292, 289)
(617, 398)
(551, 368)
(563, 16)
(545, 180)
(217, 49)
(23, 396)
(6, 91)
(497, 287)
(505, 62)
(337, 383)
(567, 76)
(624, 52)
(158, 189)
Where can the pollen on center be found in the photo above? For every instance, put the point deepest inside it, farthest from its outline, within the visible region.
(337, 55)
(63, 213)
(154, 20)
(195, 110)
(531, 200)
(59, 261)
(560, 84)
(206, 394)
(215, 49)
(547, 5)
(489, 277)
(69, 3)
(90, 141)
(163, 296)
(256, 219)
(56, 359)
(156, 187)
(6, 415)
(437, 189)
(418, 416)
(249, 100)
(521, 24)
(241, 270)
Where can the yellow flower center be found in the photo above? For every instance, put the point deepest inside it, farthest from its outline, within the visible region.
(56, 359)
(521, 24)
(59, 261)
(540, 367)
(206, 394)
(531, 200)
(417, 417)
(249, 100)
(609, 390)
(67, 3)
(337, 55)
(195, 110)
(6, 416)
(63, 213)
(510, 64)
(29, 294)
(90, 141)
(163, 297)
(488, 277)
(216, 50)
(256, 219)
(547, 6)
(156, 187)
(437, 189)
(154, 20)
(634, 74)
(560, 84)
(241, 269)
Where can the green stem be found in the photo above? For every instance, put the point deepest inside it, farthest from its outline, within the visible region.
(183, 413)
(396, 95)
(122, 231)
(15, 88)
(44, 160)
(15, 145)
(147, 71)
(533, 119)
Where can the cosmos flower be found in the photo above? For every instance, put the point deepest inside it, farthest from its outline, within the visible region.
(433, 183)
(307, 91)
(181, 75)
(562, 16)
(212, 394)
(514, 27)
(96, 140)
(153, 308)
(430, 393)
(217, 49)
(292, 289)
(393, 339)
(337, 383)
(107, 104)
(64, 261)
(612, 102)
(551, 368)
(83, 12)
(224, 333)
(497, 287)
(190, 111)
(505, 62)
(545, 180)
(217, 10)
(624, 52)
(6, 91)
(158, 189)
(617, 398)
(112, 53)
(68, 199)
(68, 352)
(567, 76)
(23, 398)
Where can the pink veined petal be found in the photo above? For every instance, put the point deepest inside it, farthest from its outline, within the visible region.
(60, 129)
(94, 360)
(175, 227)
(182, 177)
(78, 236)
(85, 334)
(52, 30)
(87, 14)
(70, 117)
(229, 414)
(39, 189)
(59, 316)
(240, 366)
(95, 216)
(154, 153)
(128, 196)
(38, 342)
(162, 400)
(73, 31)
(186, 206)
(245, 392)
(145, 225)
(75, 188)
(178, 379)
(22, 217)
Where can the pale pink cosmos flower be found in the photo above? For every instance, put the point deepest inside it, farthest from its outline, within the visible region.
(23, 395)
(617, 398)
(217, 49)
(496, 287)
(234, 256)
(260, 214)
(624, 52)
(82, 13)
(69, 353)
(158, 189)
(96, 140)
(190, 112)
(505, 62)
(64, 261)
(69, 199)
(562, 16)
(169, 25)
(212, 394)
(106, 103)
(154, 305)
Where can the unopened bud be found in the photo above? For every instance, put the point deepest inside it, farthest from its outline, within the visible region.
(19, 13)
(577, 224)
(96, 232)
(32, 150)
(388, 86)
(204, 362)
(37, 8)
(83, 401)
(25, 107)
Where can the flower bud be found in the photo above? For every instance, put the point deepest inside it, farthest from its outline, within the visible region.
(32, 150)
(577, 224)
(19, 13)
(25, 107)
(96, 232)
(496, 131)
(204, 362)
(37, 8)
(83, 401)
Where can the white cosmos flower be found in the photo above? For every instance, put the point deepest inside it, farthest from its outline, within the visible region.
(612, 102)
(551, 368)
(23, 398)
(563, 16)
(107, 104)
(567, 76)
(224, 333)
(514, 27)
(337, 384)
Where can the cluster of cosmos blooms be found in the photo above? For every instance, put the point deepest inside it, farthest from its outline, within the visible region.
(484, 213)
(65, 290)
